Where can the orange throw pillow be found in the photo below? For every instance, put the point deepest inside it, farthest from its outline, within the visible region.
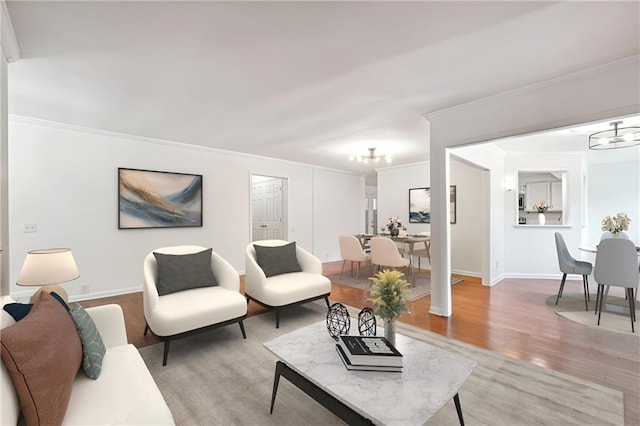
(43, 354)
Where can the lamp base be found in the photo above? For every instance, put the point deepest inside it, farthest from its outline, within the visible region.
(49, 289)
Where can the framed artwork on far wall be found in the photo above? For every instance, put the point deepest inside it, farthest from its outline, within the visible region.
(154, 199)
(420, 205)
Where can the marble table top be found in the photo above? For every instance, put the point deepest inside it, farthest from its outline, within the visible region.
(429, 379)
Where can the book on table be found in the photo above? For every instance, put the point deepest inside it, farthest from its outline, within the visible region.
(350, 366)
(370, 350)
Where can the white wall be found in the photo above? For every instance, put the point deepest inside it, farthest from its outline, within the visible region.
(336, 210)
(466, 233)
(530, 251)
(393, 200)
(64, 180)
(393, 193)
(613, 188)
(489, 158)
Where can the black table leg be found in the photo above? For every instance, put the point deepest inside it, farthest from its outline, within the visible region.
(319, 395)
(276, 381)
(456, 400)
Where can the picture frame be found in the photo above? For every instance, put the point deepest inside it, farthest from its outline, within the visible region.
(420, 205)
(158, 199)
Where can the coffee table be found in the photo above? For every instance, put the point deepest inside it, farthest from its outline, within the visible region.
(430, 378)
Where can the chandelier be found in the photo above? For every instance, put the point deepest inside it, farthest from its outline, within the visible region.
(371, 157)
(618, 137)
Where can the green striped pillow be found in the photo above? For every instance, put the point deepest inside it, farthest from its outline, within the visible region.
(92, 346)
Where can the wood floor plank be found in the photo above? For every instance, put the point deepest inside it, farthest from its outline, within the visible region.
(511, 318)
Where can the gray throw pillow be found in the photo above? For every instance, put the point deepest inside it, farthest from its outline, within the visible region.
(93, 348)
(178, 272)
(277, 260)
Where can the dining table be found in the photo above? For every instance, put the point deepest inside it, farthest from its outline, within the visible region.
(409, 240)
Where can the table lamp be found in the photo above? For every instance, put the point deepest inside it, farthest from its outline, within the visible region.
(47, 268)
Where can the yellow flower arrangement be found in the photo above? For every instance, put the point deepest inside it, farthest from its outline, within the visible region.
(388, 293)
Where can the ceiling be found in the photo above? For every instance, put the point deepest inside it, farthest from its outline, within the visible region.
(576, 139)
(311, 82)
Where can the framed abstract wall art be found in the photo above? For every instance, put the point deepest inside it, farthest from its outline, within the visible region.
(154, 199)
(420, 205)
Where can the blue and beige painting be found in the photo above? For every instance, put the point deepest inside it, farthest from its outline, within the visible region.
(151, 199)
(420, 205)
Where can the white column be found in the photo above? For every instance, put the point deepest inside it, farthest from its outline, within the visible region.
(440, 229)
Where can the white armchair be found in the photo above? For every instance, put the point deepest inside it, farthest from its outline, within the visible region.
(286, 289)
(185, 312)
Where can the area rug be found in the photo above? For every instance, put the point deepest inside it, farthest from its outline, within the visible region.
(420, 282)
(219, 378)
(571, 306)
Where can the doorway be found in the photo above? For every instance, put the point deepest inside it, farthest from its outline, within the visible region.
(268, 208)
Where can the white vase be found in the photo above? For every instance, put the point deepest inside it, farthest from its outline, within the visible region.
(541, 219)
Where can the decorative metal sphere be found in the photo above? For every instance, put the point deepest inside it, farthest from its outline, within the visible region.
(338, 321)
(367, 322)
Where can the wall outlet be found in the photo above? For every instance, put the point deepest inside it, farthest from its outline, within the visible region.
(30, 227)
(84, 289)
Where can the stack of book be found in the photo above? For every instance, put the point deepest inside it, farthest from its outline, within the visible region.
(369, 353)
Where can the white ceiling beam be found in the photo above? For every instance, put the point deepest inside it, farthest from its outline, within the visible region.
(10, 47)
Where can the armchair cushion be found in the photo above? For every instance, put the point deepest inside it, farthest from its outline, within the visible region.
(178, 272)
(277, 260)
(42, 354)
(93, 349)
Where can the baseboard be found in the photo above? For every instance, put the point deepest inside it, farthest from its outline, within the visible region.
(557, 276)
(103, 294)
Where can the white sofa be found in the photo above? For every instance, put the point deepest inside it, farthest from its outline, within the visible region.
(124, 394)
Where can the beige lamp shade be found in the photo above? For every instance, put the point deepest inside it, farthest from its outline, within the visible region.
(48, 266)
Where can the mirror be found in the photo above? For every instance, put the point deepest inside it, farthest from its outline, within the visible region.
(542, 192)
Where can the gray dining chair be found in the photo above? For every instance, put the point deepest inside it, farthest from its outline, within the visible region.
(617, 266)
(569, 265)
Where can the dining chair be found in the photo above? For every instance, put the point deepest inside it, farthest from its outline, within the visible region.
(422, 249)
(622, 235)
(384, 252)
(569, 265)
(351, 251)
(617, 266)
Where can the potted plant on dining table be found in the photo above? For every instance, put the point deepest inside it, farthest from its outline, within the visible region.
(614, 226)
(394, 225)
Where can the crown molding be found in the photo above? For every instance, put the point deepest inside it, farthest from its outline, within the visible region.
(10, 47)
(21, 119)
(537, 87)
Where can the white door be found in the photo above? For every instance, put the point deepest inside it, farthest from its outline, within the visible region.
(267, 206)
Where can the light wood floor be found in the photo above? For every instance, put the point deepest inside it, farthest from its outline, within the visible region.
(510, 318)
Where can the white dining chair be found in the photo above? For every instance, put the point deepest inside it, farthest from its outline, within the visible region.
(422, 249)
(351, 251)
(384, 253)
(617, 266)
